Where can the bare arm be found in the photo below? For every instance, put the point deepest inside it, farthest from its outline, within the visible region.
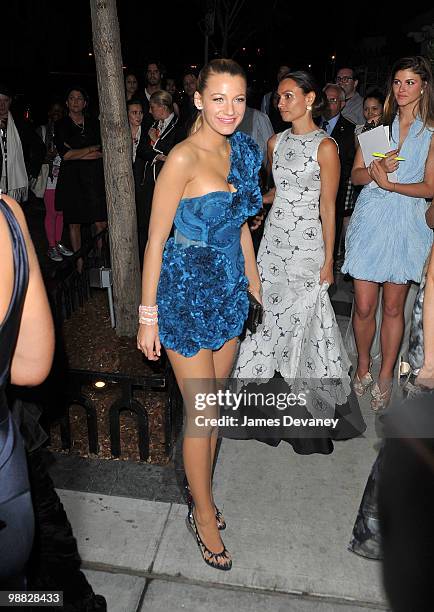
(359, 173)
(251, 269)
(268, 197)
(169, 189)
(34, 349)
(329, 164)
(85, 153)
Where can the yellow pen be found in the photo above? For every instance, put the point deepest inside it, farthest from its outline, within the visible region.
(384, 156)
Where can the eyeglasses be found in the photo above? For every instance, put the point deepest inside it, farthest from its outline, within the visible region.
(332, 100)
(344, 79)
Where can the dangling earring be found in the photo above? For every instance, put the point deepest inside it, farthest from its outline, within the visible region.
(308, 107)
(421, 92)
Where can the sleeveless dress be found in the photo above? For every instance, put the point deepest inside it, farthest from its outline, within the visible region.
(202, 291)
(16, 515)
(299, 337)
(388, 239)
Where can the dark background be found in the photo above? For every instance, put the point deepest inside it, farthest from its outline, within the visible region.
(47, 46)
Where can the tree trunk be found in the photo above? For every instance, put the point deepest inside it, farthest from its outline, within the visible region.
(119, 182)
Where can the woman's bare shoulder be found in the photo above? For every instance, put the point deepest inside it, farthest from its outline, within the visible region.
(184, 153)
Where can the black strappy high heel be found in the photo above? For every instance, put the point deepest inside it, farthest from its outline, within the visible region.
(221, 560)
(221, 523)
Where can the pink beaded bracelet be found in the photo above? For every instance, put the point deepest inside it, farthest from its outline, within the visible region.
(148, 315)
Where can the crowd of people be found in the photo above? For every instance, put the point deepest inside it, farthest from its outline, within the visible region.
(211, 175)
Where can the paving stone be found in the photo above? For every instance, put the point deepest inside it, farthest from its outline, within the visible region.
(122, 592)
(115, 531)
(176, 597)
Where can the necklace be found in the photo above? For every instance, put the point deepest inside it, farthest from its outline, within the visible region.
(79, 125)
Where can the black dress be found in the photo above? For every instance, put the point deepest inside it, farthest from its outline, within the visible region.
(80, 191)
(16, 514)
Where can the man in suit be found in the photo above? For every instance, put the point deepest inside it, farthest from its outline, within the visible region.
(342, 131)
(153, 80)
(353, 111)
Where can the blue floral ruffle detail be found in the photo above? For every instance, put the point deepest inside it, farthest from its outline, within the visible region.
(200, 304)
(202, 295)
(246, 160)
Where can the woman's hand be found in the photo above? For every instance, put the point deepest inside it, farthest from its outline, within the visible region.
(379, 175)
(257, 220)
(268, 198)
(153, 135)
(148, 341)
(380, 168)
(326, 274)
(257, 293)
(389, 163)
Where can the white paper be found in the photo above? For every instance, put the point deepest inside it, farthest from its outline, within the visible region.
(376, 141)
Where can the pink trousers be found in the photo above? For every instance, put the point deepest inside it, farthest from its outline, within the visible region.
(53, 219)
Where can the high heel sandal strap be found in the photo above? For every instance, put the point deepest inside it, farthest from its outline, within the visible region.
(210, 557)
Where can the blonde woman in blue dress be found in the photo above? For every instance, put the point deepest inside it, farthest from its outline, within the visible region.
(194, 296)
(388, 239)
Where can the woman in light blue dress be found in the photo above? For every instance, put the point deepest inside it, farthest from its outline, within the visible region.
(388, 239)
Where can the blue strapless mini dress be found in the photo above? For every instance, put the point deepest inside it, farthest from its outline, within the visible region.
(202, 292)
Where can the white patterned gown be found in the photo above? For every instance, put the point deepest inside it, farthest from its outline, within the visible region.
(299, 336)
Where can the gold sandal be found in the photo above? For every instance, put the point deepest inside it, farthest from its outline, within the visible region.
(361, 385)
(380, 399)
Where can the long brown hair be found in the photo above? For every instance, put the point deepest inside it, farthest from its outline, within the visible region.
(215, 66)
(425, 109)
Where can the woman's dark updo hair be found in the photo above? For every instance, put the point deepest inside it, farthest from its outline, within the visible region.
(307, 83)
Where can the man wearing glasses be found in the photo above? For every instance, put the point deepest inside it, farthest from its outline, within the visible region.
(342, 131)
(353, 111)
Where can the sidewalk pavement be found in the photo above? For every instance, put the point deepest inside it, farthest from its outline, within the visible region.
(289, 519)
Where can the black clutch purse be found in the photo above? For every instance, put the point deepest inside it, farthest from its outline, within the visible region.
(256, 312)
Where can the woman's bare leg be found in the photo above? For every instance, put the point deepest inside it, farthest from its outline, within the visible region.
(392, 329)
(75, 236)
(99, 226)
(223, 364)
(426, 374)
(197, 445)
(366, 299)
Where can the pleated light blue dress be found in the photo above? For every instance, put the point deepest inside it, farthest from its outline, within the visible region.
(388, 239)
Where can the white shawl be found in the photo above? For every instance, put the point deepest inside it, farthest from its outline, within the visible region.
(17, 181)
